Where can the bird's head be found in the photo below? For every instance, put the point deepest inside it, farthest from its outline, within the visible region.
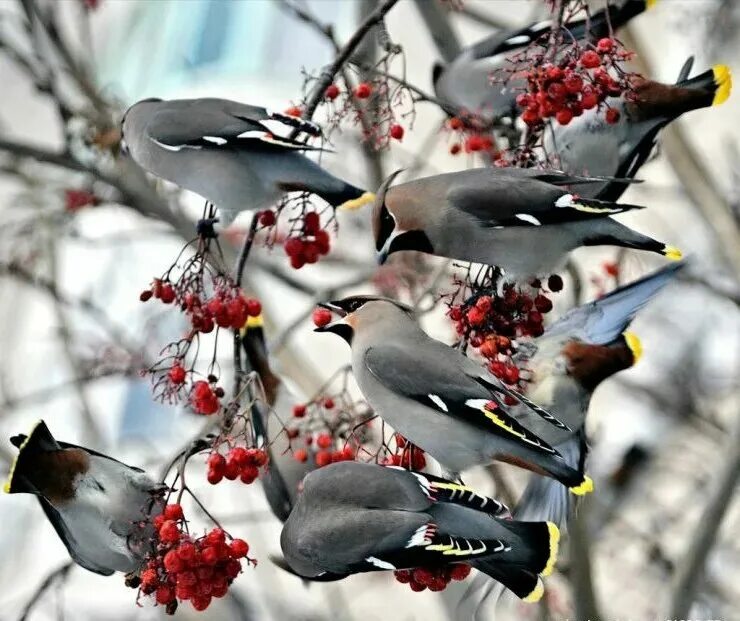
(397, 223)
(590, 364)
(359, 312)
(128, 121)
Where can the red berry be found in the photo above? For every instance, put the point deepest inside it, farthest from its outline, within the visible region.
(403, 576)
(416, 586)
(590, 59)
(267, 217)
(329, 403)
(474, 143)
(293, 111)
(321, 317)
(219, 589)
(455, 123)
(554, 73)
(239, 548)
(397, 132)
(146, 295)
(149, 577)
(488, 349)
(186, 551)
(523, 100)
(169, 532)
(475, 317)
(573, 84)
(157, 521)
(438, 584)
(460, 572)
(511, 375)
(184, 591)
(324, 441)
(531, 117)
(233, 568)
(239, 455)
(216, 462)
(423, 576)
(543, 304)
(254, 308)
(612, 116)
(299, 410)
(589, 101)
(332, 92)
(605, 45)
(249, 475)
(611, 268)
(564, 116)
(216, 536)
(164, 595)
(557, 91)
(209, 555)
(173, 512)
(498, 368)
(297, 262)
(176, 374)
(484, 303)
(323, 458)
(293, 246)
(455, 149)
(363, 90)
(232, 470)
(168, 294)
(200, 602)
(323, 241)
(300, 455)
(311, 223)
(555, 283)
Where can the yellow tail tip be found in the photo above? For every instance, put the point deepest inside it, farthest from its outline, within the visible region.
(554, 545)
(723, 81)
(6, 487)
(536, 594)
(252, 322)
(356, 203)
(634, 344)
(584, 488)
(672, 253)
(649, 4)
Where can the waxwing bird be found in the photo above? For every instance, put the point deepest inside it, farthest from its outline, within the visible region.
(587, 345)
(466, 81)
(591, 145)
(95, 503)
(230, 153)
(284, 473)
(443, 402)
(520, 219)
(353, 517)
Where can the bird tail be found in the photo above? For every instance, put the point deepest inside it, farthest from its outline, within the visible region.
(710, 88)
(546, 499)
(611, 315)
(536, 556)
(255, 349)
(29, 446)
(609, 232)
(605, 21)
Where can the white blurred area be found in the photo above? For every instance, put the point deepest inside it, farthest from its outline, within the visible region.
(253, 51)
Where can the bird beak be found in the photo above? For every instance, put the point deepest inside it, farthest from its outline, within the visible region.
(337, 310)
(124, 147)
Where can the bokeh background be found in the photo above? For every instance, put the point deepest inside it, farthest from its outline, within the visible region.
(73, 335)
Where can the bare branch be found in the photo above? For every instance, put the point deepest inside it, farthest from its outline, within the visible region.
(58, 574)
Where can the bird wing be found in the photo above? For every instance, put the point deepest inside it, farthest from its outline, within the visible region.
(603, 320)
(68, 539)
(449, 390)
(198, 123)
(498, 199)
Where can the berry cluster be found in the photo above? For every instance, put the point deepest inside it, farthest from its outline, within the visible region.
(239, 462)
(184, 568)
(490, 323)
(363, 91)
(307, 239)
(469, 138)
(580, 80)
(406, 455)
(432, 578)
(205, 395)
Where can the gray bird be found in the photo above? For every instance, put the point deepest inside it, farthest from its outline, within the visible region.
(284, 473)
(466, 81)
(520, 219)
(353, 517)
(590, 145)
(443, 402)
(584, 347)
(230, 153)
(96, 504)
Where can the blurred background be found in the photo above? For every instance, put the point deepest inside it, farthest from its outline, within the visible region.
(77, 247)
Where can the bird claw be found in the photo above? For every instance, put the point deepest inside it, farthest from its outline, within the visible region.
(205, 228)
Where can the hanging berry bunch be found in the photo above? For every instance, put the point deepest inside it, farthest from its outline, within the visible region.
(371, 98)
(401, 452)
(182, 567)
(199, 288)
(491, 323)
(466, 137)
(235, 463)
(432, 578)
(306, 237)
(331, 427)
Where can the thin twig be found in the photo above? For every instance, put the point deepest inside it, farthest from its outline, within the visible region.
(58, 574)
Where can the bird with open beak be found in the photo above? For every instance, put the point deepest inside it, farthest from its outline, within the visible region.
(353, 517)
(97, 505)
(584, 347)
(442, 401)
(232, 154)
(282, 478)
(522, 220)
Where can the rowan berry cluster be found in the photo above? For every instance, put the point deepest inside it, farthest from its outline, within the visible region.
(186, 568)
(238, 463)
(432, 578)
